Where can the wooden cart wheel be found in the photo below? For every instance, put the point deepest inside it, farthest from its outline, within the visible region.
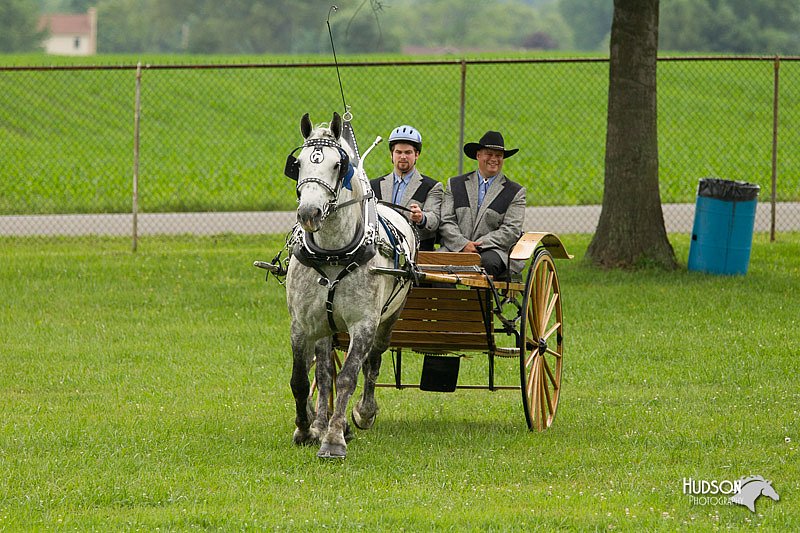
(541, 342)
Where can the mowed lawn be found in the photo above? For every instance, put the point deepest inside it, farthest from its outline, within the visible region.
(150, 391)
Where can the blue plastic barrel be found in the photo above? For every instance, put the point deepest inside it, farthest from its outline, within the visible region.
(722, 235)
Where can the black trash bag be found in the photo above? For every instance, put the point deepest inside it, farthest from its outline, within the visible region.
(737, 191)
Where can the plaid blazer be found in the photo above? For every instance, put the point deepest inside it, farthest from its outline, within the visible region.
(497, 223)
(422, 190)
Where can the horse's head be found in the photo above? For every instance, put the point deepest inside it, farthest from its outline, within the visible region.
(768, 491)
(322, 169)
(750, 488)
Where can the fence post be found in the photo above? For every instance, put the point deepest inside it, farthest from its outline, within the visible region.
(136, 116)
(775, 100)
(462, 117)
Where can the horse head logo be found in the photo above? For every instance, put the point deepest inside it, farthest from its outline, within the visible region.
(750, 489)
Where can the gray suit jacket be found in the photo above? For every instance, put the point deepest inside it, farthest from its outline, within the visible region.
(430, 205)
(497, 224)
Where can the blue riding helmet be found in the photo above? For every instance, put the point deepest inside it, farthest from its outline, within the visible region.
(406, 134)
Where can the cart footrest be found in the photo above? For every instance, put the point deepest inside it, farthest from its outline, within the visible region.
(502, 351)
(439, 373)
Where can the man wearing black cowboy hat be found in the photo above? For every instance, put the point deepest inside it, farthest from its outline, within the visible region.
(483, 211)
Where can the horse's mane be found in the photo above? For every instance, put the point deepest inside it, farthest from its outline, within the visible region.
(750, 479)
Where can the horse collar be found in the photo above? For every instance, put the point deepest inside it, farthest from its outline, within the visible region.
(360, 250)
(356, 254)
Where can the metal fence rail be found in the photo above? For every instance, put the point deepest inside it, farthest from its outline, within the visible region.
(208, 142)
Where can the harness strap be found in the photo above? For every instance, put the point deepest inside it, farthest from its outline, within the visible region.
(356, 254)
(326, 282)
(393, 238)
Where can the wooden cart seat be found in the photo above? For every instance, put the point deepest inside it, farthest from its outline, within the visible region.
(439, 320)
(442, 319)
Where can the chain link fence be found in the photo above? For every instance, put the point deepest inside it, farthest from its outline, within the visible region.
(212, 139)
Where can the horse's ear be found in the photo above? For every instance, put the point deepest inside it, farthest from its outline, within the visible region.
(336, 125)
(305, 126)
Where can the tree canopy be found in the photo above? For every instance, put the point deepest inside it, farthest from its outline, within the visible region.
(298, 26)
(18, 26)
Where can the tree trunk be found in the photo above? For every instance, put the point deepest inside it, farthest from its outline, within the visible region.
(631, 229)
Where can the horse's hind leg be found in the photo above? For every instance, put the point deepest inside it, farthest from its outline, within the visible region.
(366, 410)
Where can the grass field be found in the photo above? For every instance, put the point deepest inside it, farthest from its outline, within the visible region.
(217, 139)
(150, 391)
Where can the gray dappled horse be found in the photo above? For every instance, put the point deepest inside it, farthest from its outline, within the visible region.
(341, 232)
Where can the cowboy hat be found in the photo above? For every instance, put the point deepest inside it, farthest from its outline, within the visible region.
(492, 140)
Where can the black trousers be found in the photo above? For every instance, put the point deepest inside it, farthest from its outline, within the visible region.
(492, 263)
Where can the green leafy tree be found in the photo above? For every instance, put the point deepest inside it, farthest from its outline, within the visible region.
(683, 24)
(18, 26)
(590, 21)
(741, 26)
(360, 30)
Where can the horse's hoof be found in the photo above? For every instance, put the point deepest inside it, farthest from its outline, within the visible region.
(332, 451)
(303, 438)
(362, 423)
(348, 432)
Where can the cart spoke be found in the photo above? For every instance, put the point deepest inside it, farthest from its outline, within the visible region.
(550, 373)
(543, 288)
(550, 307)
(554, 353)
(531, 357)
(534, 324)
(549, 399)
(548, 288)
(552, 330)
(543, 405)
(531, 378)
(538, 408)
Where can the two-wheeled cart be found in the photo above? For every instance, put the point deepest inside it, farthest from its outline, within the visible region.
(454, 307)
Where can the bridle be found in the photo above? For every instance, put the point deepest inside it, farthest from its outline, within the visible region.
(343, 179)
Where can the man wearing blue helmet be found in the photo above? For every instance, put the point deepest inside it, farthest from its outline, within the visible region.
(405, 186)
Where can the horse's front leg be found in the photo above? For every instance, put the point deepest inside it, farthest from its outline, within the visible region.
(301, 388)
(324, 378)
(366, 410)
(334, 443)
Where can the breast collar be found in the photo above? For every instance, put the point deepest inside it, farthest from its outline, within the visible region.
(360, 250)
